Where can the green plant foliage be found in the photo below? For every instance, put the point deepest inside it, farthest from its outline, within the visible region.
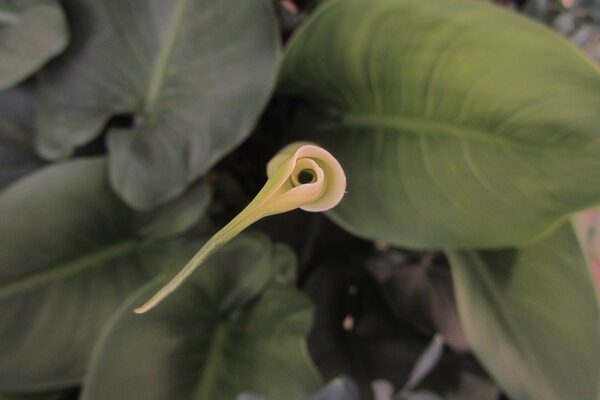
(31, 33)
(16, 153)
(215, 337)
(449, 119)
(177, 216)
(71, 254)
(59, 395)
(196, 73)
(466, 134)
(532, 316)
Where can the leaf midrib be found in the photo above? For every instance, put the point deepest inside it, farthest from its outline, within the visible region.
(159, 71)
(424, 126)
(70, 268)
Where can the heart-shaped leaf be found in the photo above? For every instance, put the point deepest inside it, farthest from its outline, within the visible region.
(236, 326)
(70, 255)
(195, 72)
(532, 317)
(31, 32)
(458, 123)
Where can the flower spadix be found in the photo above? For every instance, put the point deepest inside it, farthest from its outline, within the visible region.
(302, 175)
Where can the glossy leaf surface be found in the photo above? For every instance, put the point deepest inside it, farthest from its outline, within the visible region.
(195, 73)
(532, 317)
(449, 119)
(31, 32)
(236, 326)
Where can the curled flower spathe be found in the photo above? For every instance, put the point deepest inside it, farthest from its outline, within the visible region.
(302, 175)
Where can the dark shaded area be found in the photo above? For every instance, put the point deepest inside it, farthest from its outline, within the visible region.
(98, 145)
(377, 307)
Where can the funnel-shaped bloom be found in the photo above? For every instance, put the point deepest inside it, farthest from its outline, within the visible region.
(302, 175)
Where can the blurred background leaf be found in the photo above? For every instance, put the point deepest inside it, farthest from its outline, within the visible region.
(216, 336)
(31, 33)
(588, 227)
(418, 289)
(71, 254)
(357, 335)
(531, 315)
(194, 74)
(17, 155)
(71, 394)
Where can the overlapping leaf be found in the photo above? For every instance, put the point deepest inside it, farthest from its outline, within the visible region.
(17, 155)
(196, 73)
(458, 123)
(532, 317)
(71, 253)
(235, 326)
(31, 32)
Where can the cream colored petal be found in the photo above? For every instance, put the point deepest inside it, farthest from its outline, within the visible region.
(282, 192)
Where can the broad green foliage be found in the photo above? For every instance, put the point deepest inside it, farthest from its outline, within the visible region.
(458, 124)
(196, 73)
(177, 216)
(532, 316)
(71, 254)
(215, 337)
(31, 32)
(16, 153)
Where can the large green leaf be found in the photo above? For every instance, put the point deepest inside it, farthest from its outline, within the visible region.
(458, 123)
(236, 326)
(196, 73)
(71, 253)
(532, 317)
(31, 32)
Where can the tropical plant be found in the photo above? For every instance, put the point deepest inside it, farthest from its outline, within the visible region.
(438, 150)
